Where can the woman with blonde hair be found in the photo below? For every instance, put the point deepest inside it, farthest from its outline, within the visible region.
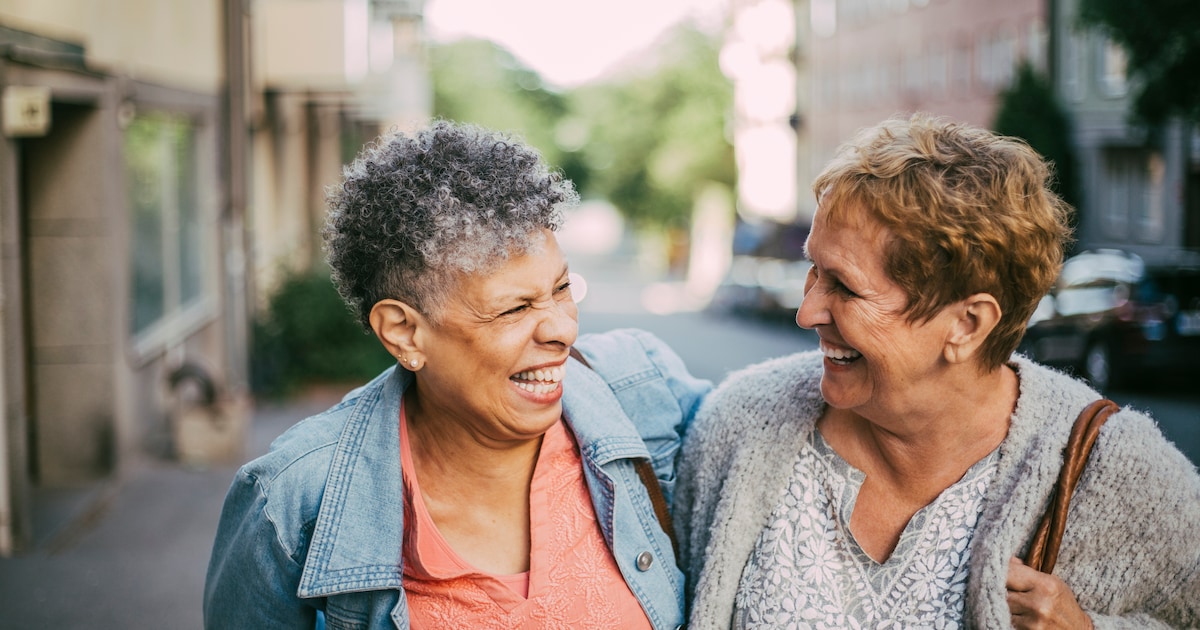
(894, 478)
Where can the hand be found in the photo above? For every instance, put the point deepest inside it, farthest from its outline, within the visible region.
(1041, 600)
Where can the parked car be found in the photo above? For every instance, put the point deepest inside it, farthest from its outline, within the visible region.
(767, 273)
(771, 288)
(1115, 319)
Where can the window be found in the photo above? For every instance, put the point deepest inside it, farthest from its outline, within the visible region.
(1035, 44)
(914, 73)
(995, 57)
(167, 238)
(1149, 216)
(937, 68)
(960, 70)
(983, 59)
(1074, 66)
(1113, 66)
(1126, 193)
(1003, 59)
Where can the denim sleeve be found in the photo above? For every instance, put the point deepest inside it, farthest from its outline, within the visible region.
(252, 577)
(654, 388)
(688, 391)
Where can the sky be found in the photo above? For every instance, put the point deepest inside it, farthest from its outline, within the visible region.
(568, 42)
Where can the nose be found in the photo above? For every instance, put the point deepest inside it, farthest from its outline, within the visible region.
(560, 323)
(813, 311)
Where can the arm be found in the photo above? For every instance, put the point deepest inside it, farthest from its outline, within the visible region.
(1040, 600)
(1131, 554)
(252, 578)
(689, 392)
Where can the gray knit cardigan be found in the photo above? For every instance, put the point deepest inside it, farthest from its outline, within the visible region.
(1131, 552)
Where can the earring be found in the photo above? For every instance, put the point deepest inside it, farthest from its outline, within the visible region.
(412, 363)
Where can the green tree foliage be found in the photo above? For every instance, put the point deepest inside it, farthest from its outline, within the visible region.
(307, 335)
(656, 134)
(477, 81)
(645, 140)
(1029, 110)
(1162, 39)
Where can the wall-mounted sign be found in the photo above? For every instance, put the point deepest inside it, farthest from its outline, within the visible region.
(26, 111)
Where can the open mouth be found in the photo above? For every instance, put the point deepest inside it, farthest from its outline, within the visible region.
(541, 381)
(840, 356)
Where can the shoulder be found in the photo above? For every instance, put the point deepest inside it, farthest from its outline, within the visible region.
(1133, 468)
(786, 385)
(614, 349)
(627, 358)
(290, 478)
(1049, 403)
(758, 398)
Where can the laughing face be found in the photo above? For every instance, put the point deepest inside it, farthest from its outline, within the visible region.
(494, 364)
(875, 359)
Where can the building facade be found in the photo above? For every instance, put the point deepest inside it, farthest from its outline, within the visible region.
(1135, 181)
(873, 59)
(160, 163)
(329, 76)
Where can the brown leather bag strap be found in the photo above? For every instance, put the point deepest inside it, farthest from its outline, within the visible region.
(654, 489)
(645, 472)
(1043, 551)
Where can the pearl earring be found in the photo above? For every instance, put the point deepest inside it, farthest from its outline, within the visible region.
(412, 363)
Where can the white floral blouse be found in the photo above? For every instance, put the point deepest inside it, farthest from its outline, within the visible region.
(807, 571)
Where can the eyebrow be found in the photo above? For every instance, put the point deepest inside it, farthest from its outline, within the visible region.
(510, 297)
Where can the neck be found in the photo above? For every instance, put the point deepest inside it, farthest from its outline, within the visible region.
(454, 458)
(935, 440)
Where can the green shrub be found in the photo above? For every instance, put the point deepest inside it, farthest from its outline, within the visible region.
(308, 335)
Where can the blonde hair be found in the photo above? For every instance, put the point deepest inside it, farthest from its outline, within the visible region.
(969, 211)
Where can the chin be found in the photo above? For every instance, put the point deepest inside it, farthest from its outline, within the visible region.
(837, 397)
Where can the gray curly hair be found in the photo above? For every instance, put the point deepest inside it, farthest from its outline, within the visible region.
(414, 212)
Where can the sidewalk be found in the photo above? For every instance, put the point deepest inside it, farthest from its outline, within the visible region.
(130, 552)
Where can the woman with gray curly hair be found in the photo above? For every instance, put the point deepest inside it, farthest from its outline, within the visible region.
(489, 480)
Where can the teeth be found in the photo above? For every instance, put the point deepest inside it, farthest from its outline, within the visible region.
(538, 388)
(541, 381)
(838, 354)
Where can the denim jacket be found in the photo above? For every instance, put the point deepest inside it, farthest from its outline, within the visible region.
(316, 524)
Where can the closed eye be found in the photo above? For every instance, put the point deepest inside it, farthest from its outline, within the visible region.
(843, 289)
(833, 282)
(514, 310)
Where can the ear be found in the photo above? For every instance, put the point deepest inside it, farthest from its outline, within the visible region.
(975, 318)
(396, 325)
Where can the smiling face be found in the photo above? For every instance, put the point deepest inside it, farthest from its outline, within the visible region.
(494, 363)
(876, 361)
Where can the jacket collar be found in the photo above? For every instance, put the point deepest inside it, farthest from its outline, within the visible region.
(357, 540)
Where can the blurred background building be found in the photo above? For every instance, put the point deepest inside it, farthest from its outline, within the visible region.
(1139, 184)
(849, 64)
(162, 165)
(871, 59)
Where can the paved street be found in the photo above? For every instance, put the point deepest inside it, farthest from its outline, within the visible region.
(129, 553)
(132, 553)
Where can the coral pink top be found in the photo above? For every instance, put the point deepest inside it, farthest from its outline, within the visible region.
(572, 582)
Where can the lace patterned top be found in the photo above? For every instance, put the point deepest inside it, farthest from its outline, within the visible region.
(573, 580)
(807, 571)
